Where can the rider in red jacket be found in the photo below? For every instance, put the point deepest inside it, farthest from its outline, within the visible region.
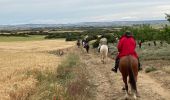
(126, 46)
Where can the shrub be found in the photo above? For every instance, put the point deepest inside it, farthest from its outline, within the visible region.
(110, 38)
(95, 44)
(16, 34)
(150, 69)
(68, 36)
(72, 38)
(56, 35)
(91, 37)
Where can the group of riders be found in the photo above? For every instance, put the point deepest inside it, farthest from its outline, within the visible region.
(126, 46)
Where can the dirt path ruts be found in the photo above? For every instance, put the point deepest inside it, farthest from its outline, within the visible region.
(108, 84)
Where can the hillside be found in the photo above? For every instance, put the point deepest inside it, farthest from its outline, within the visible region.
(83, 24)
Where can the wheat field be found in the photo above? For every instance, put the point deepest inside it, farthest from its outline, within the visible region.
(17, 59)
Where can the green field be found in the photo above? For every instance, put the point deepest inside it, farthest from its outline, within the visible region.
(18, 38)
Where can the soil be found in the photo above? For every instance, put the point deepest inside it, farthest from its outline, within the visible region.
(108, 85)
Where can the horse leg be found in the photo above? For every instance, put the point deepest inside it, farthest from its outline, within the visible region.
(87, 50)
(102, 58)
(105, 58)
(137, 94)
(134, 92)
(134, 95)
(126, 86)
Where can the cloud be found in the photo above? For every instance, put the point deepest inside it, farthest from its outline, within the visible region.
(70, 11)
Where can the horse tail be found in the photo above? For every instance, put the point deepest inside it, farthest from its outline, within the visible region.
(131, 74)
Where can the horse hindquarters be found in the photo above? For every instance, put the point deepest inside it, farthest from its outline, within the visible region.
(128, 67)
(103, 52)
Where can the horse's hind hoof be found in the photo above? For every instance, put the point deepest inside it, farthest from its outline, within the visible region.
(138, 95)
(123, 88)
(126, 97)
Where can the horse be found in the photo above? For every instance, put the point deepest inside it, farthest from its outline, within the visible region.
(128, 66)
(86, 46)
(104, 52)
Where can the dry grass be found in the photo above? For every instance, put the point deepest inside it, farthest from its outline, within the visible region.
(53, 84)
(19, 58)
(67, 82)
(35, 46)
(166, 69)
(154, 52)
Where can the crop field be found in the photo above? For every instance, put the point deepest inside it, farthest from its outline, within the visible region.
(19, 38)
(18, 59)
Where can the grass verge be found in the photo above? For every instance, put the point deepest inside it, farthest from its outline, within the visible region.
(67, 82)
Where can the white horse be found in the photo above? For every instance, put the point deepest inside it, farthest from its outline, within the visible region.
(104, 52)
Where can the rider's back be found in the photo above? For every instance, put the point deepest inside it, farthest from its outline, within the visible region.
(103, 41)
(127, 46)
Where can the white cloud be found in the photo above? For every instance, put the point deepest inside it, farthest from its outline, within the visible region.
(67, 11)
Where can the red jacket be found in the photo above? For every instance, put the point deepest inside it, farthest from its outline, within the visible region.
(126, 46)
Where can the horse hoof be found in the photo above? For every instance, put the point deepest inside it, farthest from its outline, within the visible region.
(126, 97)
(134, 97)
(123, 88)
(138, 95)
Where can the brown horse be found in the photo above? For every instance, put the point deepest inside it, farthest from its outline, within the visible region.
(128, 66)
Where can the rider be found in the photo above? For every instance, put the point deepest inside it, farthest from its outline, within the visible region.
(126, 46)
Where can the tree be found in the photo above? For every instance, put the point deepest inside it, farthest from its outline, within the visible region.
(167, 17)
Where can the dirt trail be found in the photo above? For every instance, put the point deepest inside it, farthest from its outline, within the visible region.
(108, 84)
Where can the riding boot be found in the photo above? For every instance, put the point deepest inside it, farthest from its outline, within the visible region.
(116, 65)
(139, 65)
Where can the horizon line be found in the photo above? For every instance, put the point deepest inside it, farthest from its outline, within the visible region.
(81, 22)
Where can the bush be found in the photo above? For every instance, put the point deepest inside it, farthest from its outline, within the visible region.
(68, 36)
(72, 38)
(91, 37)
(16, 34)
(150, 69)
(95, 44)
(110, 38)
(56, 35)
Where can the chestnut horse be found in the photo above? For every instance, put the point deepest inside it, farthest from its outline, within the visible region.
(128, 66)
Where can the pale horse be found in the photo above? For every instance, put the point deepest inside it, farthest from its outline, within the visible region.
(103, 53)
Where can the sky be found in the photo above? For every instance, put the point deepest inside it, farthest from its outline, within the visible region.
(75, 11)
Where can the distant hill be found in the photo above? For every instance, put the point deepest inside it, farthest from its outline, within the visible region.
(83, 24)
(124, 23)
